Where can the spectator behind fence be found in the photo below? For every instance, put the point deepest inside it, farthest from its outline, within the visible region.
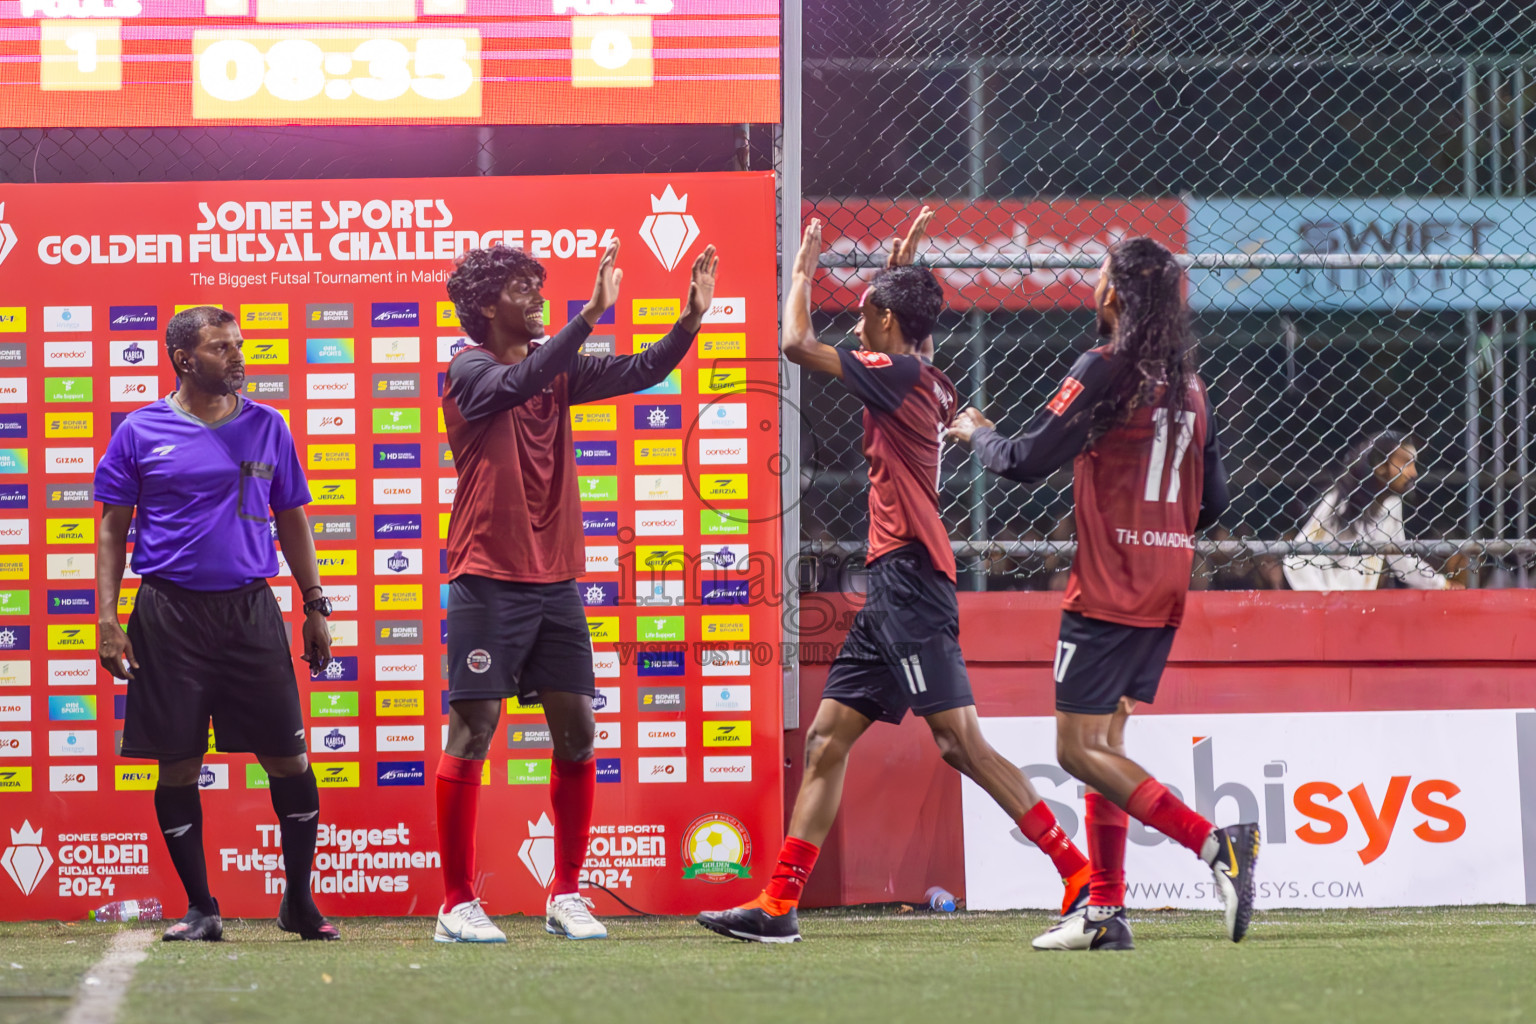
(1365, 506)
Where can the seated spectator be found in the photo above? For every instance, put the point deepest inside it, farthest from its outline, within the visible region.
(1365, 506)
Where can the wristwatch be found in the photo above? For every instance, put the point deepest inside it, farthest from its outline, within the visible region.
(321, 604)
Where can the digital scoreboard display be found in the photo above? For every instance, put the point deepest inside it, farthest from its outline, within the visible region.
(126, 63)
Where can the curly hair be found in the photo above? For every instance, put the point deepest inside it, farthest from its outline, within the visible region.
(1357, 485)
(914, 295)
(478, 278)
(1151, 339)
(186, 328)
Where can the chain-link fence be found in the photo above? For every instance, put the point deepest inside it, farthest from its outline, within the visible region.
(1329, 169)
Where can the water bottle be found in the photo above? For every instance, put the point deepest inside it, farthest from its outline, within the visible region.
(941, 899)
(128, 910)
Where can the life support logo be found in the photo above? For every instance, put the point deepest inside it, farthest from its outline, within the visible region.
(717, 848)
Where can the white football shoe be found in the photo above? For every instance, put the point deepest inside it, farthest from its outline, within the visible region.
(568, 915)
(466, 923)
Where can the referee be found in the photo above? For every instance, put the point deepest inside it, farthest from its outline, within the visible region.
(205, 467)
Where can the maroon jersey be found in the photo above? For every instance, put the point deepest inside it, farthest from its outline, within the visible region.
(907, 406)
(1138, 496)
(517, 514)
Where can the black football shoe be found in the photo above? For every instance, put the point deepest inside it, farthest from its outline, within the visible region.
(196, 927)
(1237, 852)
(1079, 932)
(753, 924)
(311, 926)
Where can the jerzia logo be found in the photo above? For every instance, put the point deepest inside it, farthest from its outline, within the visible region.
(8, 242)
(669, 231)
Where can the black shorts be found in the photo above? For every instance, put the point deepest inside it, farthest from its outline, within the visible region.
(903, 652)
(517, 640)
(1099, 662)
(210, 654)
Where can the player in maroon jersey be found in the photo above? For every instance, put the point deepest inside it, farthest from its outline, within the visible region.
(903, 652)
(1134, 419)
(516, 623)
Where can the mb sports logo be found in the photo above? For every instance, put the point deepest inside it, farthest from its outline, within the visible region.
(669, 231)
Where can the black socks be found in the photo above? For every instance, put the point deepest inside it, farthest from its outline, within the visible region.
(180, 812)
(297, 803)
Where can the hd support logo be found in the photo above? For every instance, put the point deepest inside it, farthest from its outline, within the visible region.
(717, 848)
(26, 860)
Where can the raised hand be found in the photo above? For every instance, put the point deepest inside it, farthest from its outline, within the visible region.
(701, 289)
(810, 251)
(605, 290)
(904, 252)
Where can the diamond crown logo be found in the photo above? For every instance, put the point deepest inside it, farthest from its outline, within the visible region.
(538, 851)
(669, 230)
(26, 859)
(7, 236)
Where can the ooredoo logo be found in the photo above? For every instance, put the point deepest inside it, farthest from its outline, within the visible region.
(331, 386)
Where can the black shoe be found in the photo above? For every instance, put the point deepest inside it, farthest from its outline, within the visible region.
(196, 927)
(1078, 932)
(752, 924)
(312, 927)
(1237, 851)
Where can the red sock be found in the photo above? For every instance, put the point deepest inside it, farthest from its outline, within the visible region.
(571, 784)
(796, 860)
(458, 809)
(1106, 850)
(1152, 804)
(1040, 827)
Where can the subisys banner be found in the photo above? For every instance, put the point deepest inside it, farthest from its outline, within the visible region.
(1357, 809)
(339, 290)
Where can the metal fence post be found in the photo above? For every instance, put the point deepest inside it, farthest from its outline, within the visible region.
(789, 154)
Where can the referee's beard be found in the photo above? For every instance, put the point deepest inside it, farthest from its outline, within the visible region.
(212, 382)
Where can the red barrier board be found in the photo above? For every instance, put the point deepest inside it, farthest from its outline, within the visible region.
(993, 227)
(117, 63)
(339, 290)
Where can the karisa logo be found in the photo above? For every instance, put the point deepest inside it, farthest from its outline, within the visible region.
(335, 740)
(669, 230)
(397, 562)
(27, 859)
(538, 851)
(7, 243)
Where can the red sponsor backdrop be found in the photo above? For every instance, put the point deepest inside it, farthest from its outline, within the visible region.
(339, 289)
(183, 62)
(993, 227)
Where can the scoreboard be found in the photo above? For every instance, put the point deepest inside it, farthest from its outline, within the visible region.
(120, 63)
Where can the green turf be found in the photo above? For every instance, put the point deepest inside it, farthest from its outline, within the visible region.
(1467, 964)
(41, 966)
